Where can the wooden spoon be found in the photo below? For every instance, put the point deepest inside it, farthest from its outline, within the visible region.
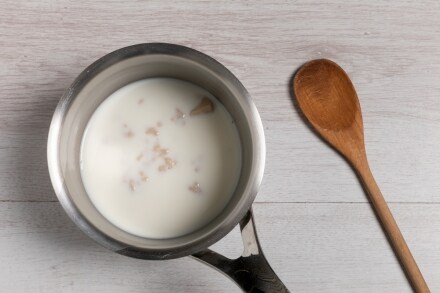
(328, 100)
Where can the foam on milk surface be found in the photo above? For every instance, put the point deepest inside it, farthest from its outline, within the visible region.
(152, 169)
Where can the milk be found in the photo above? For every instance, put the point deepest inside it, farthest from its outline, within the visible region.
(154, 170)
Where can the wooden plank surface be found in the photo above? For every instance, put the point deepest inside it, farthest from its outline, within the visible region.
(314, 247)
(313, 217)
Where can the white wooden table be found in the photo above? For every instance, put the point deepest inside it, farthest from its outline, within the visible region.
(315, 223)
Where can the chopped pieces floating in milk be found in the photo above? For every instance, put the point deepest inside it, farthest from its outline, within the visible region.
(205, 106)
(195, 187)
(152, 131)
(148, 151)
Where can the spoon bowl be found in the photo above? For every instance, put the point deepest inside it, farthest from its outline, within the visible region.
(326, 88)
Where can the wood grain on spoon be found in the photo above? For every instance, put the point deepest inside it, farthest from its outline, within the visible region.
(329, 101)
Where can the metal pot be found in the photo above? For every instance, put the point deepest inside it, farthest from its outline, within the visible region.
(119, 68)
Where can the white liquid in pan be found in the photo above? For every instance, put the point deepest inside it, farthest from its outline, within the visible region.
(154, 170)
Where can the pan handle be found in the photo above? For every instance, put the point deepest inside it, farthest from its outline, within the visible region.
(251, 271)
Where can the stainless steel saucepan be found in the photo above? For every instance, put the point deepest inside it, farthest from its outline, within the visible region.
(251, 271)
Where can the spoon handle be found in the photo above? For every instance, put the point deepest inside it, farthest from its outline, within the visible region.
(392, 230)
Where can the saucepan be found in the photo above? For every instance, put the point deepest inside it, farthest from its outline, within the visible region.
(251, 271)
